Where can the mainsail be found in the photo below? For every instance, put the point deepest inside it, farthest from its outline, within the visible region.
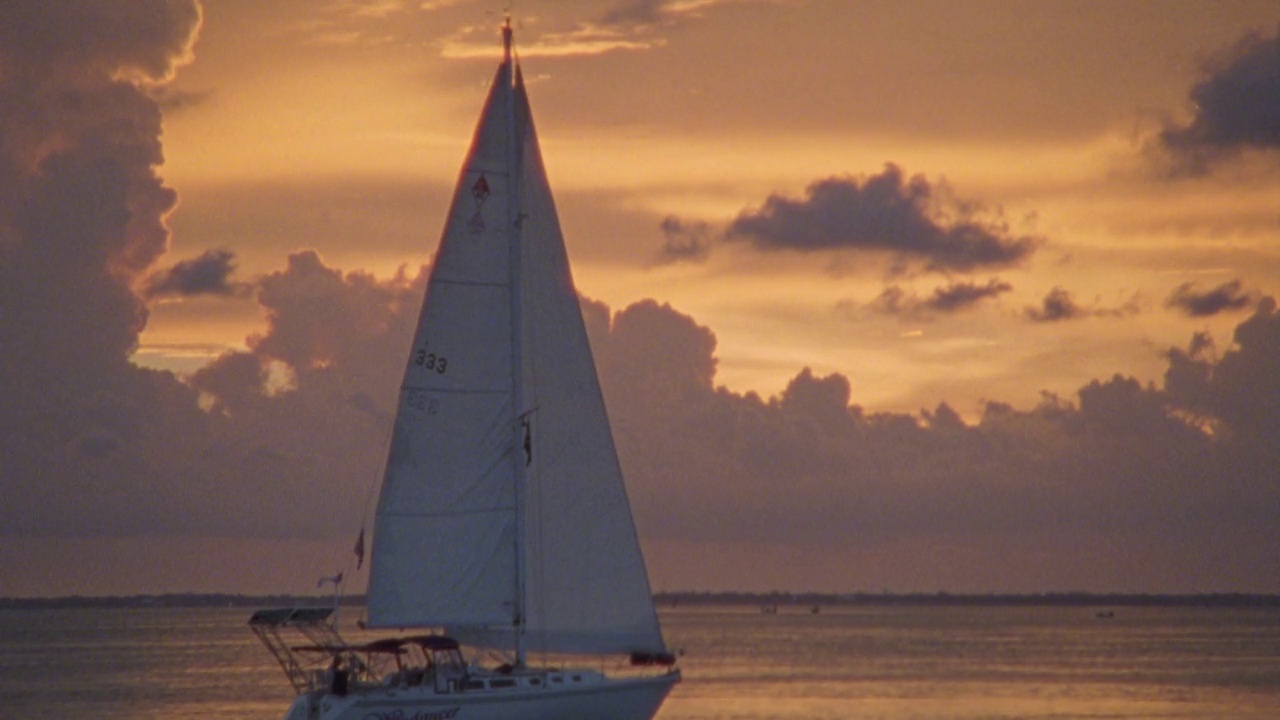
(503, 507)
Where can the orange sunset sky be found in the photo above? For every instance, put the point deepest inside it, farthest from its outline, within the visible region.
(967, 296)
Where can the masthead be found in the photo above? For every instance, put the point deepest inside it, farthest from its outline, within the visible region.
(506, 40)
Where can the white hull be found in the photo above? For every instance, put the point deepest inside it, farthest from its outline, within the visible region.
(599, 699)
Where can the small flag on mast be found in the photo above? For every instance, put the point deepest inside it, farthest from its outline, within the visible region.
(336, 580)
(360, 549)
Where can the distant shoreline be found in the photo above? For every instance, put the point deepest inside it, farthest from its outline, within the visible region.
(695, 599)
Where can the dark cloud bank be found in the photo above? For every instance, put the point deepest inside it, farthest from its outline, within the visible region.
(918, 225)
(1191, 300)
(208, 274)
(1179, 481)
(1236, 108)
(1124, 487)
(916, 222)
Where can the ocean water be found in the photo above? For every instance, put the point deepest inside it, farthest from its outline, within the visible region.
(892, 663)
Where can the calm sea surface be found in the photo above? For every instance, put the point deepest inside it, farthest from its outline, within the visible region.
(842, 663)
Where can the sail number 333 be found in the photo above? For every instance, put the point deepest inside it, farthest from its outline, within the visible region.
(430, 361)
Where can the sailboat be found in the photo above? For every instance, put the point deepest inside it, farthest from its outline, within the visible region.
(503, 527)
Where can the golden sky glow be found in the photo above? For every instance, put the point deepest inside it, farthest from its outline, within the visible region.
(701, 112)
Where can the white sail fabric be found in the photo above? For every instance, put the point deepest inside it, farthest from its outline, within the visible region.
(443, 549)
(586, 585)
(451, 546)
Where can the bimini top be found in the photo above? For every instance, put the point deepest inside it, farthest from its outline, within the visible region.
(393, 646)
(431, 642)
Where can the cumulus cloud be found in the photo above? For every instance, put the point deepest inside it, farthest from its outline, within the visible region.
(684, 240)
(893, 300)
(961, 295)
(1240, 392)
(82, 208)
(281, 439)
(1192, 301)
(264, 443)
(208, 274)
(1059, 304)
(90, 444)
(85, 436)
(912, 220)
(1236, 107)
(952, 298)
(808, 472)
(95, 41)
(1123, 465)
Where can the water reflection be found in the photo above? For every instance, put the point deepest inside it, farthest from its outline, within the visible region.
(890, 663)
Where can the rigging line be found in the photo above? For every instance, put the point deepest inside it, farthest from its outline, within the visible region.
(374, 480)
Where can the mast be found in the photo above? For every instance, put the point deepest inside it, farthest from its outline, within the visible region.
(517, 355)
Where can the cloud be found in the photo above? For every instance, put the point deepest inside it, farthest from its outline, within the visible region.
(1059, 304)
(961, 295)
(684, 241)
(648, 12)
(208, 274)
(583, 39)
(642, 12)
(82, 207)
(380, 9)
(261, 443)
(1226, 297)
(664, 349)
(807, 475)
(810, 474)
(173, 100)
(88, 441)
(910, 219)
(1237, 107)
(954, 297)
(652, 12)
(96, 41)
(319, 318)
(1240, 391)
(632, 25)
(90, 444)
(1125, 486)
